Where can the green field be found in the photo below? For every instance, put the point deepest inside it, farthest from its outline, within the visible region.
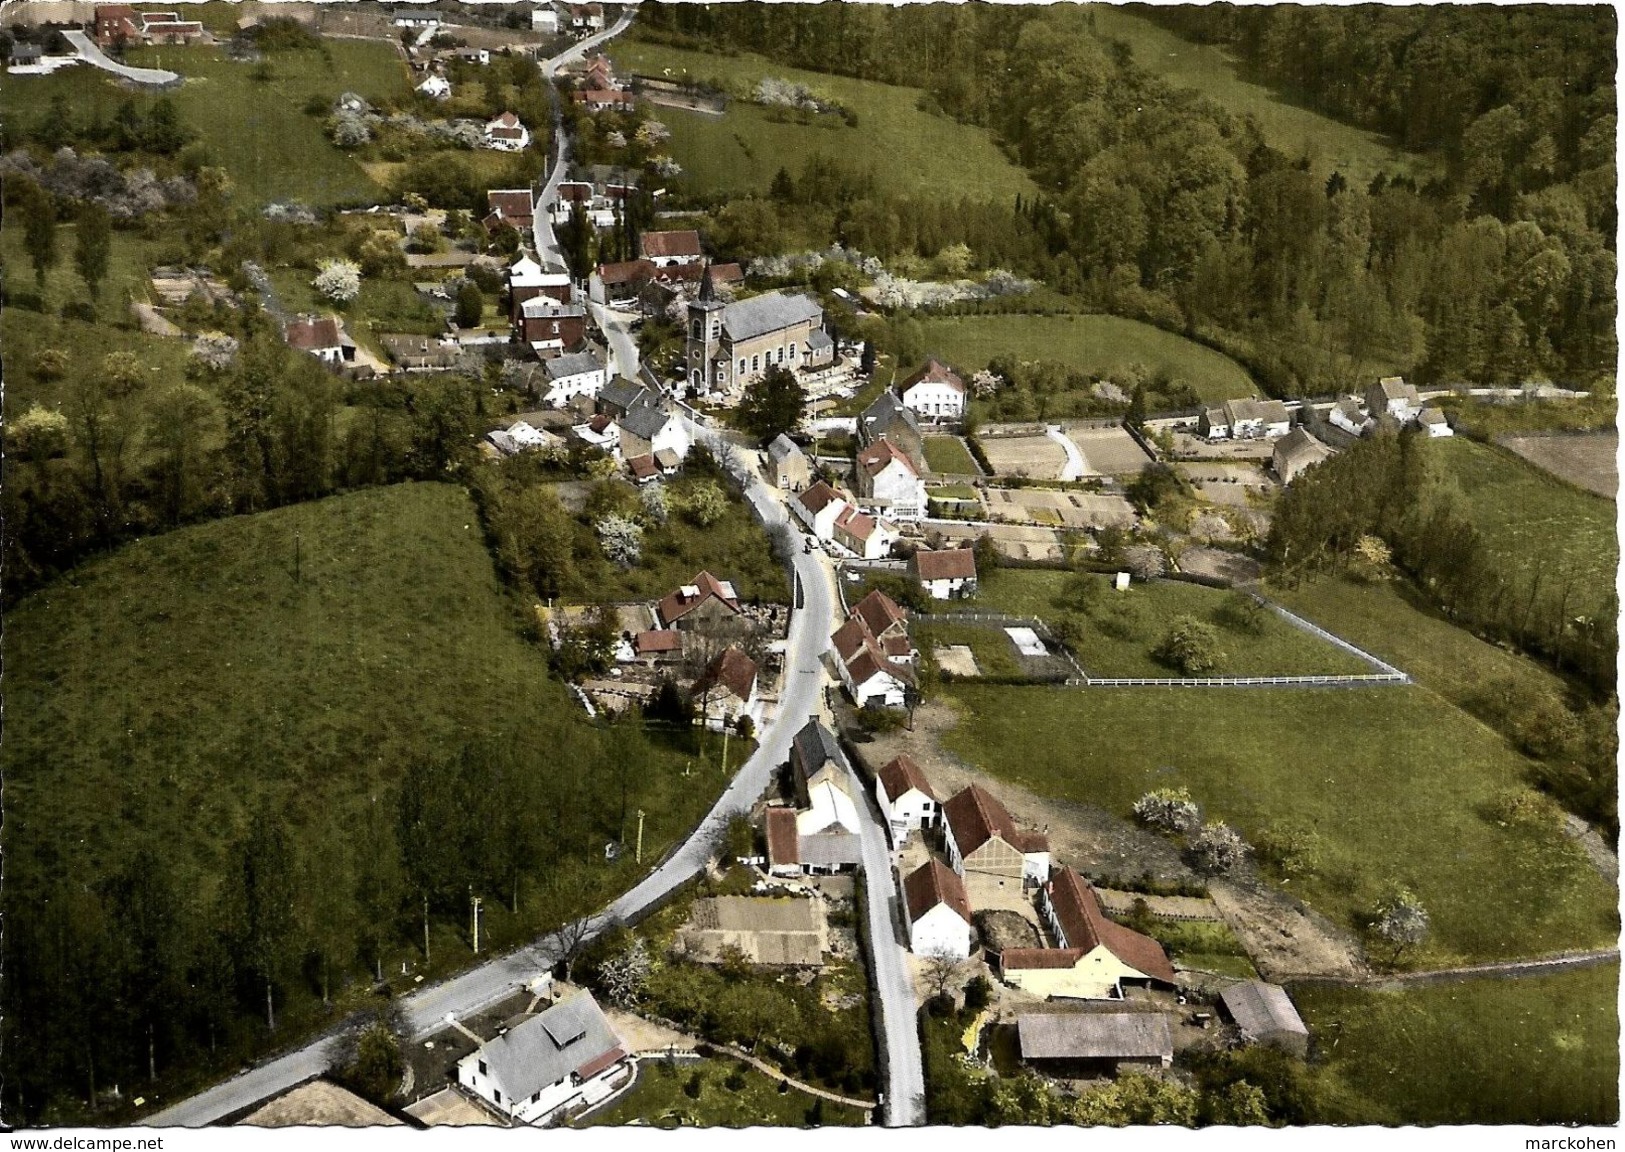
(907, 151)
(201, 681)
(1537, 1050)
(1392, 780)
(948, 454)
(1120, 629)
(1096, 344)
(1534, 523)
(659, 1098)
(1329, 144)
(994, 651)
(258, 129)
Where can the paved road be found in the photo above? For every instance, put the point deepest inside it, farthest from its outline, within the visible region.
(1075, 467)
(94, 56)
(623, 349)
(542, 238)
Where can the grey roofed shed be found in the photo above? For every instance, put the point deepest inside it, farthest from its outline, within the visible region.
(1095, 1036)
(746, 319)
(548, 1047)
(1265, 1015)
(831, 850)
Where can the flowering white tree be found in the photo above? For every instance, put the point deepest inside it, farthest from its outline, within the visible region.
(652, 132)
(1401, 920)
(621, 540)
(656, 508)
(1217, 849)
(338, 280)
(350, 129)
(215, 350)
(616, 139)
(1168, 810)
(985, 383)
(667, 167)
(625, 974)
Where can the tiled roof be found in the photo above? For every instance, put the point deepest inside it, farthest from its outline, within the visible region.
(658, 640)
(668, 244)
(900, 774)
(626, 272)
(975, 817)
(935, 372)
(1020, 959)
(878, 456)
(870, 661)
(855, 524)
(783, 843)
(643, 467)
(818, 497)
(513, 203)
(573, 364)
(948, 564)
(727, 274)
(850, 638)
(935, 883)
(879, 612)
(308, 333)
(1087, 927)
(706, 587)
(733, 670)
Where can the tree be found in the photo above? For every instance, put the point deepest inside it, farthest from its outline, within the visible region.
(181, 421)
(470, 305)
(1245, 614)
(772, 404)
(263, 892)
(379, 884)
(942, 971)
(338, 281)
(621, 539)
(656, 508)
(705, 503)
(1168, 810)
(92, 245)
(1191, 647)
(369, 1056)
(625, 975)
(121, 372)
(1401, 920)
(38, 211)
(567, 941)
(38, 434)
(1217, 849)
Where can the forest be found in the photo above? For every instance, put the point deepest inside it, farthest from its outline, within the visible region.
(1159, 204)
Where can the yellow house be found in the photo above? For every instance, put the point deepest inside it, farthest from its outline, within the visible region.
(1096, 954)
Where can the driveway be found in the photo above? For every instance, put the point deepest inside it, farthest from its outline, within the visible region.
(94, 56)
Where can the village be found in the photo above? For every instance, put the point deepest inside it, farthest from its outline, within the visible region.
(904, 700)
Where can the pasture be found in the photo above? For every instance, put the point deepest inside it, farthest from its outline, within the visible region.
(948, 455)
(1537, 1050)
(1100, 345)
(1036, 456)
(906, 150)
(1589, 460)
(1330, 145)
(1391, 784)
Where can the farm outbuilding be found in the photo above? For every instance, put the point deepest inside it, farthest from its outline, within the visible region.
(1088, 1044)
(1264, 1014)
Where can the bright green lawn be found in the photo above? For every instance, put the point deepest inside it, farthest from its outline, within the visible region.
(1391, 779)
(1329, 144)
(659, 1099)
(1120, 629)
(1532, 521)
(1095, 344)
(1539, 1050)
(949, 454)
(907, 150)
(995, 652)
(259, 130)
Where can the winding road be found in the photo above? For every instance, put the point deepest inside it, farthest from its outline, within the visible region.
(96, 58)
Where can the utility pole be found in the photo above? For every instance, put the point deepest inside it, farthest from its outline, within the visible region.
(726, 732)
(296, 557)
(638, 859)
(475, 902)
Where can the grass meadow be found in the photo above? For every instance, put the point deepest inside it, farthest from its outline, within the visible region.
(948, 455)
(1536, 1050)
(725, 1094)
(1096, 344)
(1393, 783)
(1329, 144)
(908, 151)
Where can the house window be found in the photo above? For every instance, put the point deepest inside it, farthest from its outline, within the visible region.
(497, 1094)
(483, 1070)
(755, 363)
(792, 351)
(741, 365)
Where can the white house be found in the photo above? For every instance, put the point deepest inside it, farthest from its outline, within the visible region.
(436, 86)
(871, 679)
(321, 336)
(568, 1055)
(935, 392)
(1391, 396)
(727, 689)
(578, 374)
(947, 574)
(905, 797)
(520, 437)
(939, 913)
(600, 432)
(646, 430)
(829, 808)
(1433, 422)
(415, 18)
(867, 537)
(544, 19)
(1214, 425)
(981, 837)
(507, 134)
(887, 477)
(663, 249)
(818, 508)
(1348, 415)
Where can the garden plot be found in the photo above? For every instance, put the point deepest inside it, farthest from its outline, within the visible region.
(1017, 541)
(1228, 484)
(1062, 509)
(956, 660)
(1189, 447)
(1108, 451)
(1037, 456)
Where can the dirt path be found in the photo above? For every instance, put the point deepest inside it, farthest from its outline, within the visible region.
(1603, 858)
(1284, 937)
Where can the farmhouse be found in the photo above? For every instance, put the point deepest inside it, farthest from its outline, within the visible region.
(948, 574)
(566, 1056)
(436, 87)
(867, 537)
(169, 28)
(620, 396)
(1246, 419)
(939, 914)
(657, 644)
(507, 134)
(730, 345)
(815, 756)
(115, 22)
(1263, 1014)
(982, 838)
(905, 797)
(1095, 956)
(544, 19)
(604, 99)
(322, 336)
(551, 328)
(703, 601)
(1296, 451)
(1391, 396)
(935, 392)
(873, 653)
(888, 478)
(509, 208)
(1079, 1045)
(727, 689)
(572, 375)
(775, 932)
(818, 507)
(666, 248)
(783, 842)
(887, 624)
(1433, 422)
(528, 280)
(887, 418)
(420, 353)
(787, 465)
(1348, 415)
(647, 430)
(586, 17)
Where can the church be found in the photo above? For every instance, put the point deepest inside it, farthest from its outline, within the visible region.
(730, 345)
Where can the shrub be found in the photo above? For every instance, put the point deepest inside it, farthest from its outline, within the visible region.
(621, 540)
(691, 1086)
(338, 280)
(1191, 647)
(1168, 810)
(1217, 849)
(1289, 848)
